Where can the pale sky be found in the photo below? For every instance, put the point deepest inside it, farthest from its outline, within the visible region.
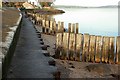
(86, 2)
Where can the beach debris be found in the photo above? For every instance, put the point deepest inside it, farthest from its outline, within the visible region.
(115, 75)
(41, 42)
(70, 63)
(52, 62)
(40, 39)
(72, 66)
(46, 53)
(39, 36)
(44, 47)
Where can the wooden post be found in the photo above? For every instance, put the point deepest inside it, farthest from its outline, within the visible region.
(77, 28)
(72, 28)
(118, 50)
(105, 49)
(58, 44)
(65, 46)
(54, 24)
(43, 26)
(92, 48)
(62, 27)
(69, 27)
(51, 27)
(59, 26)
(69, 31)
(85, 54)
(76, 32)
(111, 50)
(98, 48)
(72, 46)
(47, 27)
(78, 46)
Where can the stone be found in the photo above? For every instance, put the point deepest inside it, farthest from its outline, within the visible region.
(52, 62)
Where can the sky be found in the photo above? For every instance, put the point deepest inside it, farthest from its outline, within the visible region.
(86, 2)
(82, 2)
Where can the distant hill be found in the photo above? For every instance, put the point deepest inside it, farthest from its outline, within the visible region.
(64, 6)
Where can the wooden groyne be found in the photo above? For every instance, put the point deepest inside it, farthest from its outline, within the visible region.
(72, 45)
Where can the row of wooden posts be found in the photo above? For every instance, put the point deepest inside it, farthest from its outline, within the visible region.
(72, 45)
(49, 26)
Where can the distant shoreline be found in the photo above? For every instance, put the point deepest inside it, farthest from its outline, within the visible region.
(64, 6)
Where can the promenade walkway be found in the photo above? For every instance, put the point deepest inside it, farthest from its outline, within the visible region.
(28, 60)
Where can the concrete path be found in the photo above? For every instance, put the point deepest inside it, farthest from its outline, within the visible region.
(28, 60)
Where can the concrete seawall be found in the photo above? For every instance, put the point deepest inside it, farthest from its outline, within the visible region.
(6, 59)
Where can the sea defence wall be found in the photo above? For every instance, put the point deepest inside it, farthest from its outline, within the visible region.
(11, 47)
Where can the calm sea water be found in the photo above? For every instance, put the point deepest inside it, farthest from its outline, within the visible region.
(95, 21)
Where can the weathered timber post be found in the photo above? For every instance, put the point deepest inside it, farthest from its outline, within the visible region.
(118, 50)
(72, 28)
(111, 50)
(105, 49)
(69, 31)
(72, 43)
(69, 27)
(98, 49)
(65, 46)
(62, 27)
(58, 45)
(54, 27)
(72, 46)
(79, 38)
(47, 27)
(76, 32)
(43, 26)
(85, 54)
(92, 48)
(59, 27)
(51, 27)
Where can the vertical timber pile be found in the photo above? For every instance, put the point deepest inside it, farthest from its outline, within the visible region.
(79, 38)
(59, 41)
(85, 54)
(58, 45)
(105, 49)
(92, 48)
(69, 31)
(54, 27)
(43, 26)
(62, 27)
(77, 43)
(98, 48)
(59, 27)
(51, 27)
(111, 50)
(65, 46)
(118, 50)
(72, 43)
(47, 27)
